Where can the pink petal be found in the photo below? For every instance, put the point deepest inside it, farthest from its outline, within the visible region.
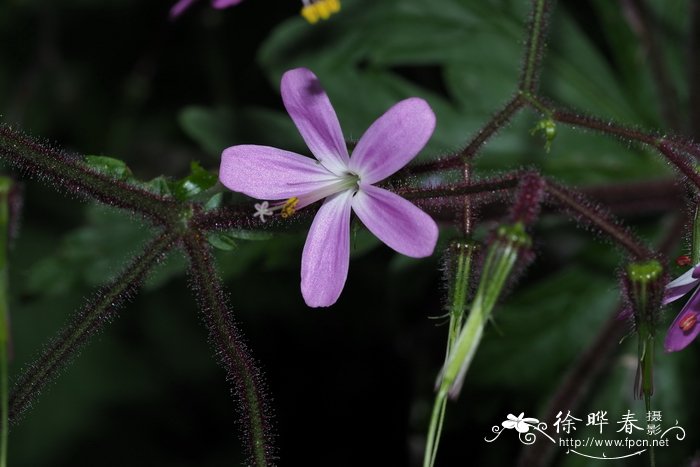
(678, 339)
(326, 256)
(680, 286)
(393, 140)
(395, 221)
(313, 114)
(179, 7)
(270, 173)
(224, 3)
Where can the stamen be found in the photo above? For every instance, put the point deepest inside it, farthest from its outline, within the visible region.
(289, 207)
(286, 209)
(688, 322)
(313, 10)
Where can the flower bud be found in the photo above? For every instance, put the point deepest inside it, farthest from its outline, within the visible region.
(509, 243)
(644, 285)
(549, 130)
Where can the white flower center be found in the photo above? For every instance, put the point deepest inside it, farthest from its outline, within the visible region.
(348, 181)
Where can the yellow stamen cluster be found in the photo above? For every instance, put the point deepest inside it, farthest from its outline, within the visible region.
(319, 9)
(289, 207)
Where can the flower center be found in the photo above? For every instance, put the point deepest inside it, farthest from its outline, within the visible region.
(313, 10)
(287, 208)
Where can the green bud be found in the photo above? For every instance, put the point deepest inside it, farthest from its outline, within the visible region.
(549, 130)
(645, 290)
(501, 256)
(458, 267)
(645, 284)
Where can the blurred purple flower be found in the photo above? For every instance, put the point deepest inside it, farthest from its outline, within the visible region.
(346, 183)
(684, 328)
(182, 5)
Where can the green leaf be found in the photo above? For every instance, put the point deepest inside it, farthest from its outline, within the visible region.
(89, 255)
(222, 241)
(159, 185)
(579, 76)
(561, 311)
(214, 202)
(254, 235)
(109, 166)
(212, 129)
(197, 181)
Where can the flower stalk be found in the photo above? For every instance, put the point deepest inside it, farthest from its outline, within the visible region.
(534, 47)
(232, 352)
(645, 290)
(6, 186)
(501, 257)
(499, 121)
(591, 213)
(98, 312)
(461, 254)
(72, 174)
(459, 264)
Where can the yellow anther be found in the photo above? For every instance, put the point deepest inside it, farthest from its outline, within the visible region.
(309, 12)
(333, 5)
(323, 11)
(320, 9)
(289, 207)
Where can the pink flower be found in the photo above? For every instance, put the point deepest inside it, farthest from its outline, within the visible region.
(347, 184)
(182, 5)
(685, 328)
